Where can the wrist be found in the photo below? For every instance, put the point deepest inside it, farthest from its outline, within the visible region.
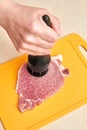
(5, 5)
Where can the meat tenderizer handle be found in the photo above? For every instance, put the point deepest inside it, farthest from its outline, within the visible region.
(46, 19)
(38, 65)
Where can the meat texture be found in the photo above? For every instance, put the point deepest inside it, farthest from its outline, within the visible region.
(33, 90)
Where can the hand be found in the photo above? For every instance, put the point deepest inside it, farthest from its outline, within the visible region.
(27, 30)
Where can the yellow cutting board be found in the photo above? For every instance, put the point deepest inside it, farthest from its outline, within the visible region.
(71, 96)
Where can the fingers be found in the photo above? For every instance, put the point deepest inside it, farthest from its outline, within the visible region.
(40, 29)
(31, 46)
(56, 24)
(32, 49)
(49, 34)
(35, 40)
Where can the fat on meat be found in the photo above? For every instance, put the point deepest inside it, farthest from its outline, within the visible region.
(32, 91)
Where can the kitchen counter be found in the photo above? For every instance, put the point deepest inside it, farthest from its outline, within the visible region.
(73, 19)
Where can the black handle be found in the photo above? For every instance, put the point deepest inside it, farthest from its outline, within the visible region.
(46, 19)
(38, 65)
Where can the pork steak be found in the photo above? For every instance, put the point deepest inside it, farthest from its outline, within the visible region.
(33, 90)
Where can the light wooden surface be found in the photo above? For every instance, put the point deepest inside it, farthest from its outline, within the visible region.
(73, 18)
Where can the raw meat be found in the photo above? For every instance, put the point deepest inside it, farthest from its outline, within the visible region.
(33, 90)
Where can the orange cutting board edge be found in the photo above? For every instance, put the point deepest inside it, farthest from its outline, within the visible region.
(72, 95)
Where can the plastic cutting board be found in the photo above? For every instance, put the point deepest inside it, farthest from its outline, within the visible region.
(71, 96)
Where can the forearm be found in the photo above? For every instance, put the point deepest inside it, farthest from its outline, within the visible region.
(4, 6)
